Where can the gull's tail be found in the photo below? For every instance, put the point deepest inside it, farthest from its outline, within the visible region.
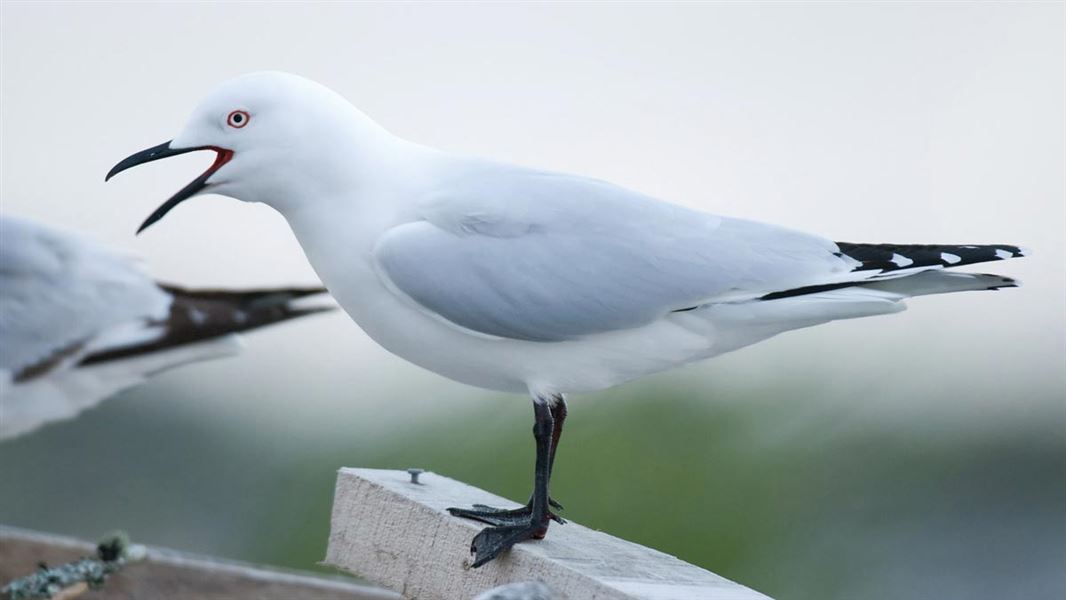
(882, 278)
(913, 269)
(917, 269)
(204, 315)
(940, 282)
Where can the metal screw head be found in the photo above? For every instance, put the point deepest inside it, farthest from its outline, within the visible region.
(415, 473)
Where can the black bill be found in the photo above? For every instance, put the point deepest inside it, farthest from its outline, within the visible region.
(163, 151)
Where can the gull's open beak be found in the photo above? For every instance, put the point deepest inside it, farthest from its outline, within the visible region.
(162, 151)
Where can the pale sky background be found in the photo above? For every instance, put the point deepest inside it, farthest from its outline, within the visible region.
(872, 122)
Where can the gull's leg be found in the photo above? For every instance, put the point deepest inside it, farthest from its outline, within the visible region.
(531, 521)
(558, 409)
(513, 516)
(507, 516)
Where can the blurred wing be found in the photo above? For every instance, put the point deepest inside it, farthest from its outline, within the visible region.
(546, 257)
(63, 393)
(79, 323)
(63, 296)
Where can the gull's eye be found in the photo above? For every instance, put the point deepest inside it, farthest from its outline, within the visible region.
(237, 119)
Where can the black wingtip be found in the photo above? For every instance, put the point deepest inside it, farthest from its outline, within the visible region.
(202, 315)
(294, 313)
(248, 298)
(1004, 283)
(895, 257)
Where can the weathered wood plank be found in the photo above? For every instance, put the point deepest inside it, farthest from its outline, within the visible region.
(170, 574)
(397, 534)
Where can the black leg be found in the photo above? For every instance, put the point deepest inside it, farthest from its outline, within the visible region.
(507, 516)
(558, 409)
(513, 516)
(530, 521)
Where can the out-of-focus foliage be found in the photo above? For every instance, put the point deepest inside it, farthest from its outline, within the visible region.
(797, 498)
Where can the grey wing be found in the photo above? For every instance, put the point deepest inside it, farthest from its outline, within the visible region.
(61, 293)
(546, 257)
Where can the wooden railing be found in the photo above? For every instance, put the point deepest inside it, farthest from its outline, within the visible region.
(397, 534)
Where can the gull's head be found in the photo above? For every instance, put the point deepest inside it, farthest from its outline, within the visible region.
(275, 136)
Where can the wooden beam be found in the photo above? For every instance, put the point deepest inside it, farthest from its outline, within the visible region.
(170, 574)
(397, 534)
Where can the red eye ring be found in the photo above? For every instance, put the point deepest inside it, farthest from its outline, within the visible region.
(238, 119)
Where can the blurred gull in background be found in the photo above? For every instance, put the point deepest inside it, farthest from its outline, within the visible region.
(80, 322)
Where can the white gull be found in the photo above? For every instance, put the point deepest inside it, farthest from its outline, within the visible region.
(523, 280)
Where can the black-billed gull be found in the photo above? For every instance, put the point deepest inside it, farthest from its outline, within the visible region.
(523, 280)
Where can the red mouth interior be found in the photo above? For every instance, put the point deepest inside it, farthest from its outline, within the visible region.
(222, 157)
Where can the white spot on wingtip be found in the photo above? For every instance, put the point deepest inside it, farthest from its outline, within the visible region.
(901, 261)
(949, 258)
(850, 262)
(1003, 254)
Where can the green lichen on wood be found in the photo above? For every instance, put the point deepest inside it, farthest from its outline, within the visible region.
(112, 553)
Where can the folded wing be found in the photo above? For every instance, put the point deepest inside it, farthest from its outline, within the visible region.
(547, 257)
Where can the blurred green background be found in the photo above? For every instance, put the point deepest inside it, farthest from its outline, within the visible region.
(802, 487)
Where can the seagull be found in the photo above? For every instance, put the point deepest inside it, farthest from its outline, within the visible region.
(523, 280)
(80, 322)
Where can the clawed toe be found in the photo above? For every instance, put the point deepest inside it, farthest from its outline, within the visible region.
(491, 515)
(493, 541)
(509, 526)
(500, 517)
